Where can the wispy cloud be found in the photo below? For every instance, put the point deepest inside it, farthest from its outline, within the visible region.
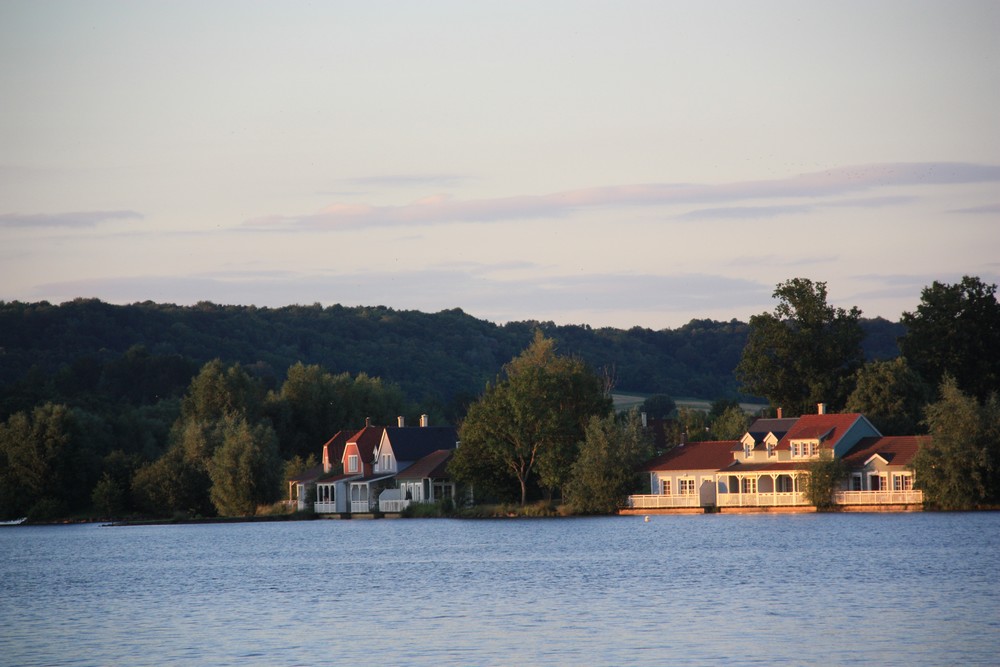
(442, 208)
(989, 209)
(74, 219)
(406, 180)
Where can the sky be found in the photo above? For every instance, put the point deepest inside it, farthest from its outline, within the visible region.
(603, 163)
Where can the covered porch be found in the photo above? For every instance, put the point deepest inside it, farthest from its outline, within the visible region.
(761, 488)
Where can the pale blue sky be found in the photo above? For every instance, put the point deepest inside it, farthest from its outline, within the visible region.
(607, 163)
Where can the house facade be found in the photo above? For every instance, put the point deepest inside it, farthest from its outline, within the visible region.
(370, 462)
(769, 466)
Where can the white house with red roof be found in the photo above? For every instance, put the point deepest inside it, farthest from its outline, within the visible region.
(769, 466)
(346, 489)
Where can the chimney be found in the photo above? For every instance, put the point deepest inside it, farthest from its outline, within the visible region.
(401, 421)
(821, 408)
(684, 438)
(779, 413)
(644, 423)
(424, 421)
(368, 422)
(326, 459)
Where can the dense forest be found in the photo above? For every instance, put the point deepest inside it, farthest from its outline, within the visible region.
(88, 353)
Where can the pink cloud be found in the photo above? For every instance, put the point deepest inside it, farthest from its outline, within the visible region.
(439, 208)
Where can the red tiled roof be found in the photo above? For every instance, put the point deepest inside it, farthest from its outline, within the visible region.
(432, 466)
(367, 440)
(774, 466)
(707, 455)
(829, 427)
(335, 445)
(897, 450)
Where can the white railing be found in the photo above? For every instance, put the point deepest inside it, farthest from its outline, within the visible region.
(362, 506)
(910, 497)
(394, 505)
(781, 499)
(324, 508)
(660, 501)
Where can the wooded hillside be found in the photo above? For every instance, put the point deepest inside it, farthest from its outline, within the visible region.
(86, 350)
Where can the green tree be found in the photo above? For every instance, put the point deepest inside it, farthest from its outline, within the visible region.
(891, 395)
(959, 467)
(530, 421)
(218, 391)
(605, 473)
(731, 424)
(46, 460)
(245, 470)
(804, 353)
(172, 485)
(825, 475)
(956, 331)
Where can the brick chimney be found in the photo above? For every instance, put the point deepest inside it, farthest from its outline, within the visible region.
(821, 408)
(779, 413)
(424, 421)
(401, 421)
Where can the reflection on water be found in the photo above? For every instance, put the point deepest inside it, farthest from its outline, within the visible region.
(758, 589)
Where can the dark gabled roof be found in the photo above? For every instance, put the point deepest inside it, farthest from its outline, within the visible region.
(897, 450)
(410, 443)
(308, 475)
(760, 427)
(707, 455)
(432, 466)
(829, 428)
(337, 478)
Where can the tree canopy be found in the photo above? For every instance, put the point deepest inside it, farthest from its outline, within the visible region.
(803, 353)
(955, 331)
(529, 423)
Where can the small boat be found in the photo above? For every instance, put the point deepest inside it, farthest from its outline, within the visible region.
(14, 522)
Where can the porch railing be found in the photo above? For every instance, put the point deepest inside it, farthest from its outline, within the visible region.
(780, 499)
(395, 505)
(909, 497)
(324, 508)
(362, 506)
(660, 501)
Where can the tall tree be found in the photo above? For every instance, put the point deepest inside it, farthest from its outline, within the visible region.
(958, 468)
(605, 473)
(245, 470)
(803, 353)
(891, 395)
(956, 331)
(530, 421)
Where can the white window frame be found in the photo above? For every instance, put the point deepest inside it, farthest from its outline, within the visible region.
(352, 463)
(902, 481)
(665, 486)
(687, 486)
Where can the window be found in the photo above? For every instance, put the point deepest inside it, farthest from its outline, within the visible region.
(352, 463)
(856, 482)
(878, 483)
(686, 486)
(748, 485)
(902, 482)
(770, 450)
(746, 449)
(665, 487)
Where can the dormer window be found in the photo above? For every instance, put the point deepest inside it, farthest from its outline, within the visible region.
(352, 463)
(746, 449)
(770, 450)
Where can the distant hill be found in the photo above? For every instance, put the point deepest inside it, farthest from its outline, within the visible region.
(145, 351)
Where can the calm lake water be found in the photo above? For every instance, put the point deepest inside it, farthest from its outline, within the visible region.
(902, 589)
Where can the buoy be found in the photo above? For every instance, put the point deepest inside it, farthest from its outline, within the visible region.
(646, 519)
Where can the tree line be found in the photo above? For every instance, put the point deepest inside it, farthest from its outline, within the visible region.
(152, 430)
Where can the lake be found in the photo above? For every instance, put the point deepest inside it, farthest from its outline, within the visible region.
(801, 589)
